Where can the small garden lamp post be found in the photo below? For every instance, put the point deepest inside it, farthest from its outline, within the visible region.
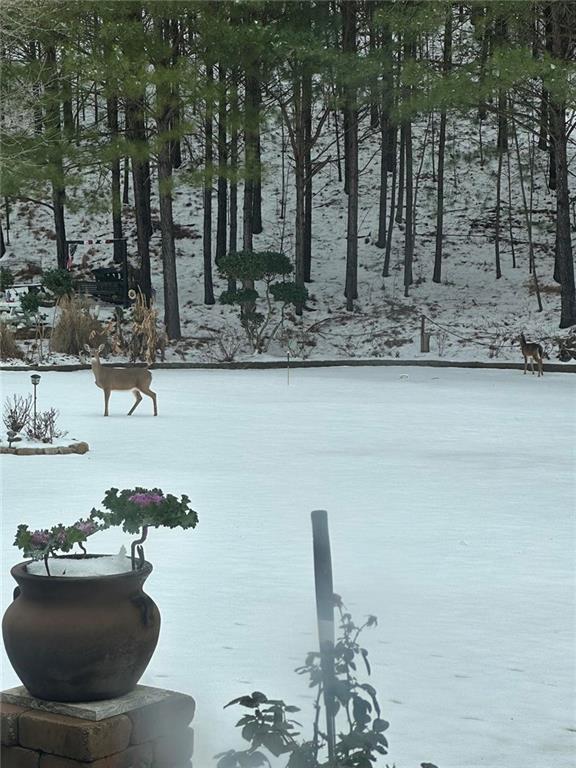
(35, 379)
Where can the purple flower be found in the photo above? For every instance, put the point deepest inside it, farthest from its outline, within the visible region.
(87, 527)
(146, 499)
(39, 539)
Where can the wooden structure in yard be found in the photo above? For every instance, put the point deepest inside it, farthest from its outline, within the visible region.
(110, 283)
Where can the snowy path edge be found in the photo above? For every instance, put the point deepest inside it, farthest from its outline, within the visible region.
(271, 364)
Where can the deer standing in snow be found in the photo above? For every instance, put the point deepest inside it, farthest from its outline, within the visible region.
(533, 351)
(113, 379)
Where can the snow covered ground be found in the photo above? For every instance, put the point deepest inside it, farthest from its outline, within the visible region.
(450, 496)
(472, 316)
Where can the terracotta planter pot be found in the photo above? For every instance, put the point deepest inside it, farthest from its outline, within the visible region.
(80, 638)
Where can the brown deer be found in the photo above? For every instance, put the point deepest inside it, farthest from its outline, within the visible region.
(533, 352)
(114, 379)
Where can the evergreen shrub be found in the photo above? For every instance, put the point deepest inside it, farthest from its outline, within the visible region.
(6, 278)
(260, 323)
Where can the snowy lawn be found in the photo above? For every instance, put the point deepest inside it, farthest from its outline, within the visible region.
(451, 507)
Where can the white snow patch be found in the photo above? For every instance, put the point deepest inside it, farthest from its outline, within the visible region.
(450, 497)
(106, 565)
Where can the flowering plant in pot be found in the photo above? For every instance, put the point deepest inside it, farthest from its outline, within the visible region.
(78, 631)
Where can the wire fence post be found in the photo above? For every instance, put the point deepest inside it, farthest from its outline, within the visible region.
(288, 368)
(424, 336)
(325, 614)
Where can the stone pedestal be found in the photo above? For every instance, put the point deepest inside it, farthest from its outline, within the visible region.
(148, 728)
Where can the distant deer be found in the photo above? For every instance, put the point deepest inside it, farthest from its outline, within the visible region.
(112, 379)
(533, 352)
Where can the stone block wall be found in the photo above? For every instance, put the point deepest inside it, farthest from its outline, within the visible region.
(155, 735)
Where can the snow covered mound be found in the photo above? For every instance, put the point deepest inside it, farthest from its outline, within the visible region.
(106, 565)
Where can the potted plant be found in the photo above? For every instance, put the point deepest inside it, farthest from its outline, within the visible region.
(81, 628)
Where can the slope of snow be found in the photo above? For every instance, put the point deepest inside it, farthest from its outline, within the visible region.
(476, 316)
(450, 496)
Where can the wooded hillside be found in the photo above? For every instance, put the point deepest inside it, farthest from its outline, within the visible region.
(112, 110)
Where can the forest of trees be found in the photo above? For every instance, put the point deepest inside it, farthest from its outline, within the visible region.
(139, 93)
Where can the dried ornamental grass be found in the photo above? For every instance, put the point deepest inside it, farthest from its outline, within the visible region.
(76, 326)
(9, 349)
(144, 332)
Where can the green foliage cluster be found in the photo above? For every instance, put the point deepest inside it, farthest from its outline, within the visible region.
(249, 267)
(6, 278)
(58, 282)
(269, 727)
(30, 303)
(137, 508)
(39, 544)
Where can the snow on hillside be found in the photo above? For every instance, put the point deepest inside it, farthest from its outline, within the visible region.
(480, 317)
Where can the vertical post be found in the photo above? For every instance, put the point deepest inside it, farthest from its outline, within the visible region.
(7, 204)
(424, 336)
(288, 368)
(35, 379)
(325, 614)
(126, 301)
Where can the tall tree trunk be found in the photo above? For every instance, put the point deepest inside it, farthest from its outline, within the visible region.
(164, 105)
(484, 51)
(308, 175)
(36, 90)
(409, 227)
(510, 211)
(67, 111)
(112, 118)
(386, 266)
(375, 111)
(234, 115)
(170, 280)
(385, 164)
(221, 218)
(53, 133)
(543, 121)
(497, 217)
(447, 63)
(126, 182)
(501, 35)
(175, 148)
(401, 179)
(563, 20)
(250, 159)
(349, 11)
(135, 134)
(208, 171)
(257, 184)
(549, 44)
(299, 152)
(383, 194)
